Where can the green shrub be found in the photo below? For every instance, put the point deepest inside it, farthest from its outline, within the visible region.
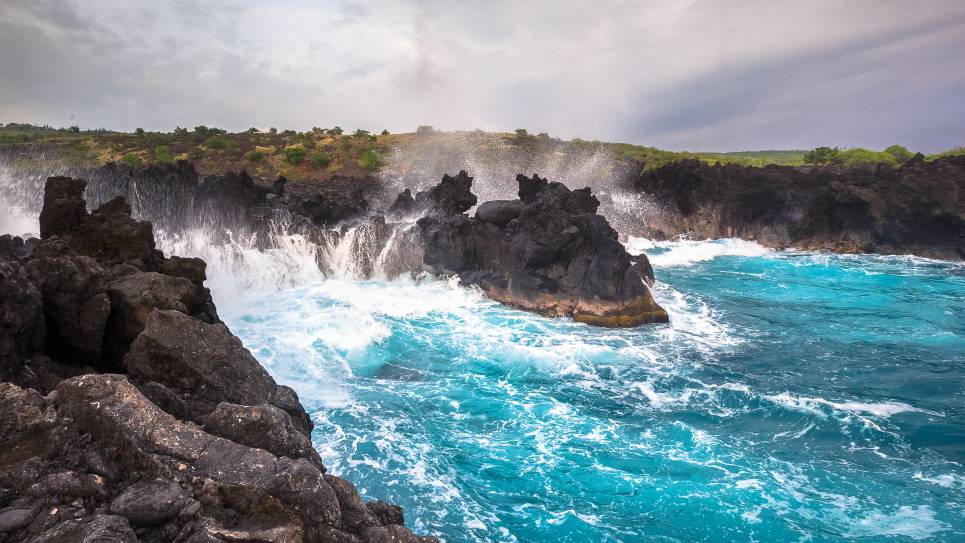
(216, 142)
(308, 141)
(337, 131)
(255, 155)
(273, 131)
(345, 144)
(425, 129)
(901, 154)
(361, 133)
(858, 157)
(295, 154)
(138, 131)
(370, 160)
(821, 155)
(385, 132)
(131, 160)
(321, 160)
(252, 130)
(521, 132)
(162, 155)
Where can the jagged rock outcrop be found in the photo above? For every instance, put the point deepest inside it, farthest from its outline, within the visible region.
(918, 208)
(129, 412)
(548, 252)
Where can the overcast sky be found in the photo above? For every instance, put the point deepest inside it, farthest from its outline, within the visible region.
(697, 75)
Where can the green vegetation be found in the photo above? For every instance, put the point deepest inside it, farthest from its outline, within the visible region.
(321, 153)
(321, 160)
(255, 155)
(295, 154)
(162, 155)
(370, 160)
(131, 160)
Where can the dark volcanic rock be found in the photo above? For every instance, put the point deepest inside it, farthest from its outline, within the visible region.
(549, 253)
(451, 196)
(204, 365)
(263, 426)
(332, 201)
(122, 458)
(918, 208)
(22, 329)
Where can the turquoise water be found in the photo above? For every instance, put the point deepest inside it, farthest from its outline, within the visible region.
(793, 397)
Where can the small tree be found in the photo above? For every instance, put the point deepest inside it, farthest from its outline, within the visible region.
(337, 131)
(361, 133)
(821, 155)
(139, 131)
(273, 131)
(521, 132)
(252, 130)
(901, 154)
(424, 129)
(385, 132)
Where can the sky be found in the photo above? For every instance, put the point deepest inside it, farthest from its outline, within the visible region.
(713, 75)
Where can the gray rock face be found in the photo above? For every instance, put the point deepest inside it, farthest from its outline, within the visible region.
(150, 502)
(263, 426)
(22, 327)
(76, 304)
(189, 357)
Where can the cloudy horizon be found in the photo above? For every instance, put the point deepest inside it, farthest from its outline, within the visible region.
(690, 75)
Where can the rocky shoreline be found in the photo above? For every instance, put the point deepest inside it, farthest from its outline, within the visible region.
(918, 208)
(129, 412)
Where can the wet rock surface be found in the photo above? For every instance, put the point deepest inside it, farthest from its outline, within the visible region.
(918, 208)
(547, 252)
(129, 412)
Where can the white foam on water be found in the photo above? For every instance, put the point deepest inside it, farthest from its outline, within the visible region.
(689, 252)
(817, 406)
(915, 522)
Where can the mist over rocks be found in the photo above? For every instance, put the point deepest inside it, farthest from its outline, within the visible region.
(918, 208)
(129, 412)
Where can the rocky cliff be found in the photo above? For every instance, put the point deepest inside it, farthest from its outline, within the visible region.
(129, 412)
(918, 208)
(548, 252)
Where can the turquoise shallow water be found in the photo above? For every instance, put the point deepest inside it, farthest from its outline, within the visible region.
(793, 397)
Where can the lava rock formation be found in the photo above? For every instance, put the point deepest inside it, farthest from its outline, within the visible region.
(129, 412)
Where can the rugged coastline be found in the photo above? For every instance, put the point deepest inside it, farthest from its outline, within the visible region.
(917, 208)
(131, 413)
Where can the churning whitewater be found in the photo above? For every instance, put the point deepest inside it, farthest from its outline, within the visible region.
(793, 396)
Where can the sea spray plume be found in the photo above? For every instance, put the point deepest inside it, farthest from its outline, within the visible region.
(494, 159)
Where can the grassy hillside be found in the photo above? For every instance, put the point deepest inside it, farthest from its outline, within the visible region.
(322, 153)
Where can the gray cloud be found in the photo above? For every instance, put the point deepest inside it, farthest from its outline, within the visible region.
(697, 75)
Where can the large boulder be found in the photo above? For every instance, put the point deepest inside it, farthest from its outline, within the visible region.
(204, 365)
(76, 305)
(548, 252)
(263, 426)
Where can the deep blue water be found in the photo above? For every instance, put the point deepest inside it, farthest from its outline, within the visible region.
(793, 397)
